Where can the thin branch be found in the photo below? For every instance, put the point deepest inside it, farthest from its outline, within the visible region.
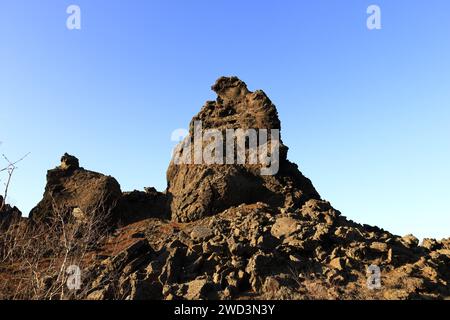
(10, 169)
(13, 164)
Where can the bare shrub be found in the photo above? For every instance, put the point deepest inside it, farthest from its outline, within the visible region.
(9, 169)
(35, 256)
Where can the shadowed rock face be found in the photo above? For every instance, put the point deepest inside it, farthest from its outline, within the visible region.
(139, 205)
(73, 190)
(199, 190)
(8, 214)
(70, 187)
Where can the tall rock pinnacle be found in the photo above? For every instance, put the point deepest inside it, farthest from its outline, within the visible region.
(198, 189)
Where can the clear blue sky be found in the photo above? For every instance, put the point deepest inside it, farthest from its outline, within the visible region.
(366, 114)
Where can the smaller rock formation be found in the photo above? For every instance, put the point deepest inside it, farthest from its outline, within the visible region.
(8, 214)
(74, 190)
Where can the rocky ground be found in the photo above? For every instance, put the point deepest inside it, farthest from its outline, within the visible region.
(254, 252)
(224, 231)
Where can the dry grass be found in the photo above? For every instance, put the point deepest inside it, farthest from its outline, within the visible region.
(35, 257)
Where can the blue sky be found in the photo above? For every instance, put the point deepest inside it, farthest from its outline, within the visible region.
(365, 113)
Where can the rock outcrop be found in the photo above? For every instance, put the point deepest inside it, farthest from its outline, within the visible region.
(197, 190)
(71, 189)
(8, 214)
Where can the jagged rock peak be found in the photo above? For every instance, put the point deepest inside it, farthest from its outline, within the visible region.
(198, 189)
(237, 108)
(226, 87)
(69, 162)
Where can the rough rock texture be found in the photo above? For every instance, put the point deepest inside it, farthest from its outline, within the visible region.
(138, 205)
(8, 214)
(72, 189)
(256, 252)
(199, 190)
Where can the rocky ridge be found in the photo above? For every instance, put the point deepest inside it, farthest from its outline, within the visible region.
(226, 232)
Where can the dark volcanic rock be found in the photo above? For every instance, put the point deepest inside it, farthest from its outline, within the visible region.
(8, 214)
(199, 190)
(72, 189)
(225, 256)
(138, 205)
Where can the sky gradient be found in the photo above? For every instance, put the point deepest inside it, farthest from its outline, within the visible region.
(365, 113)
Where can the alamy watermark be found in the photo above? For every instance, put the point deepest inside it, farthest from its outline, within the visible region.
(374, 19)
(229, 146)
(73, 21)
(74, 278)
(373, 277)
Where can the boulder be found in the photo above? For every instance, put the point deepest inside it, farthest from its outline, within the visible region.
(200, 289)
(260, 266)
(145, 289)
(410, 241)
(284, 227)
(201, 233)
